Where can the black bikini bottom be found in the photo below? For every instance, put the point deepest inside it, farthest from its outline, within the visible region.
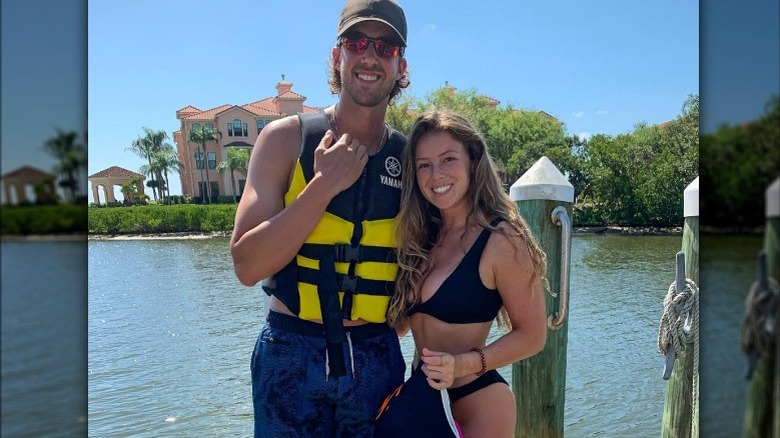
(482, 381)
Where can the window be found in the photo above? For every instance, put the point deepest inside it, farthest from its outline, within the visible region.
(260, 125)
(201, 189)
(230, 129)
(237, 127)
(246, 133)
(209, 126)
(267, 122)
(195, 126)
(214, 189)
(199, 160)
(212, 160)
(241, 185)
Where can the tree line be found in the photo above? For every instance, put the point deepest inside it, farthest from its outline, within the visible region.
(632, 179)
(740, 162)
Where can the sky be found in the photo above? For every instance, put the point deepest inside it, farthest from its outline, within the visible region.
(599, 67)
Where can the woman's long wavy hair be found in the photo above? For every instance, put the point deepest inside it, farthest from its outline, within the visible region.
(419, 221)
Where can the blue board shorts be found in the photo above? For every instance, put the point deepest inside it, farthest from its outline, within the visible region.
(294, 397)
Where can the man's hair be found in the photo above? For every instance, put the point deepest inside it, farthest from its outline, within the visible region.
(334, 79)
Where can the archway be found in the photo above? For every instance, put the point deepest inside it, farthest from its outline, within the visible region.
(111, 177)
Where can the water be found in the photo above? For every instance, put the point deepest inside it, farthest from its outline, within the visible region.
(44, 340)
(171, 332)
(730, 264)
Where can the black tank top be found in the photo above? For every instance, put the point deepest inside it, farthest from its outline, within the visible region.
(462, 298)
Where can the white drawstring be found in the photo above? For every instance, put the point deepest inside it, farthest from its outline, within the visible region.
(351, 359)
(351, 356)
(327, 365)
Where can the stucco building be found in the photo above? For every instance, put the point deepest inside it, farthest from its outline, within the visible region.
(237, 127)
(24, 185)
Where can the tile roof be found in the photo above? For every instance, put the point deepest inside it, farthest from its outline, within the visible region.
(116, 172)
(261, 111)
(263, 107)
(290, 95)
(208, 114)
(27, 172)
(267, 103)
(189, 109)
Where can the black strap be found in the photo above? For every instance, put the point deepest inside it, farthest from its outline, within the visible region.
(344, 252)
(313, 127)
(327, 291)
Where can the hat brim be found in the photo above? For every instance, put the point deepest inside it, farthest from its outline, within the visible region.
(350, 23)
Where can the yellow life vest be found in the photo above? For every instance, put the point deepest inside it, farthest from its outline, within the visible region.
(352, 248)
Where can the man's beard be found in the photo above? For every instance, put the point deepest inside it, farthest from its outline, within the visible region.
(370, 99)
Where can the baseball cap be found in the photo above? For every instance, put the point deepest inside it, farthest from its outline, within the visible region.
(383, 11)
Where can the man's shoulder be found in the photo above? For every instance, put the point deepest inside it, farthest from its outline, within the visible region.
(280, 139)
(284, 126)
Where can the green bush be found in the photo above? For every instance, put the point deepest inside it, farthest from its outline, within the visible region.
(160, 219)
(588, 215)
(43, 219)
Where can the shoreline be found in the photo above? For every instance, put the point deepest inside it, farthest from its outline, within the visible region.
(618, 231)
(72, 237)
(583, 231)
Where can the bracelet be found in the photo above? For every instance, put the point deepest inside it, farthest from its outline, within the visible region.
(482, 358)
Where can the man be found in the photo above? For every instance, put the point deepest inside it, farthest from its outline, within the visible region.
(316, 224)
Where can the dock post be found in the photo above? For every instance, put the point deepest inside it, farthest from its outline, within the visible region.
(762, 412)
(681, 413)
(544, 198)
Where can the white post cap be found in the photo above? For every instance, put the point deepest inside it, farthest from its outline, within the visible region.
(772, 199)
(542, 181)
(691, 199)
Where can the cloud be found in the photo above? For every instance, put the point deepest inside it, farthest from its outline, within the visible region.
(430, 27)
(584, 135)
(579, 114)
(600, 112)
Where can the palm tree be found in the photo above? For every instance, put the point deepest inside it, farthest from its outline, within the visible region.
(130, 190)
(237, 159)
(145, 147)
(72, 157)
(202, 135)
(153, 168)
(166, 160)
(44, 193)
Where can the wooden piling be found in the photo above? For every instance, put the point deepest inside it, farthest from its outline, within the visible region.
(539, 382)
(762, 412)
(681, 414)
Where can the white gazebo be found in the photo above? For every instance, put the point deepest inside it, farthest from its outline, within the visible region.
(114, 176)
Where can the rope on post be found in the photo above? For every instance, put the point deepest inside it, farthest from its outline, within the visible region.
(758, 324)
(680, 325)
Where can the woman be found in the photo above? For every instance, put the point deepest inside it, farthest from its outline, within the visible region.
(465, 258)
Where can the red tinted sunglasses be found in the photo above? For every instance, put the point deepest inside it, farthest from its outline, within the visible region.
(382, 47)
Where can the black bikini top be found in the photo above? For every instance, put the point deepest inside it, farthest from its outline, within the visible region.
(462, 298)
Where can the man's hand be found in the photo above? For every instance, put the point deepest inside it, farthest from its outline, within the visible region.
(340, 163)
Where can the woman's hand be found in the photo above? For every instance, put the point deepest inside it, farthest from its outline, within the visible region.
(439, 368)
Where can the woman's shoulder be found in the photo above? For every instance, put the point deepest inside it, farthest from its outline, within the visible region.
(505, 244)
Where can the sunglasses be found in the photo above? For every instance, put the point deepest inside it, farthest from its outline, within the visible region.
(382, 47)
